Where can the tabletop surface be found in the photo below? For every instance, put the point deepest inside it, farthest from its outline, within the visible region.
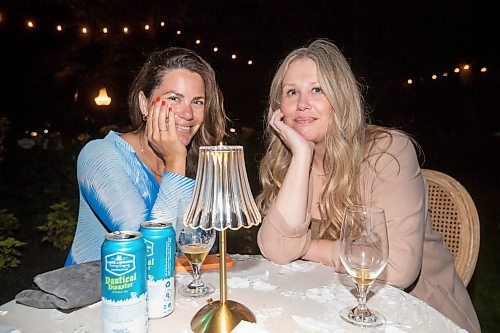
(298, 297)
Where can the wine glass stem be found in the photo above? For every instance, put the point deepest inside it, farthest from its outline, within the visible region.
(196, 275)
(363, 289)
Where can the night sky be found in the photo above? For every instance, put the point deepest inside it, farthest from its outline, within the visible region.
(386, 42)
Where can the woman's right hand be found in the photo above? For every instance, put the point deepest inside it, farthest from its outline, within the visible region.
(292, 139)
(162, 136)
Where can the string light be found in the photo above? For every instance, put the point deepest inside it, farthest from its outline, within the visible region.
(105, 30)
(30, 23)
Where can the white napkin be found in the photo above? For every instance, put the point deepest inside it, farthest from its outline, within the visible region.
(248, 327)
(238, 282)
(321, 295)
(297, 266)
(393, 329)
(316, 326)
(8, 329)
(263, 286)
(239, 257)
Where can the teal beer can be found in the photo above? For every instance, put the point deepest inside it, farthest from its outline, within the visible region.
(160, 256)
(123, 273)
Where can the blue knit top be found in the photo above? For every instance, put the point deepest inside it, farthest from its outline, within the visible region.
(118, 192)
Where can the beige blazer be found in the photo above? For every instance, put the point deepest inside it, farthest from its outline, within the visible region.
(419, 261)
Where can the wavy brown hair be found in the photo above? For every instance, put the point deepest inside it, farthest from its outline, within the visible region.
(345, 141)
(151, 75)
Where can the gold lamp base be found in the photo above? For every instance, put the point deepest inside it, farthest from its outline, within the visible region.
(217, 317)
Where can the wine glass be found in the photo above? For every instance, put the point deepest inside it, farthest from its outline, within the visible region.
(364, 250)
(194, 243)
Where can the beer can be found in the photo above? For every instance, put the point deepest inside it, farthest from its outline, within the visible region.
(123, 273)
(160, 256)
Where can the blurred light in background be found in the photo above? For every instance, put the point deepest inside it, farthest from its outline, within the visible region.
(102, 98)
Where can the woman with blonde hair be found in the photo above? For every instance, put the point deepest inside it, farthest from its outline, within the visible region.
(323, 156)
(126, 178)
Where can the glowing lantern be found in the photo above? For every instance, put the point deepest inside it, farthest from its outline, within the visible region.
(103, 98)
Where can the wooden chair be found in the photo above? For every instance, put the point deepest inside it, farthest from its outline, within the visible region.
(455, 216)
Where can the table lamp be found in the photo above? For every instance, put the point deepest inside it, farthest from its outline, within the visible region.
(221, 200)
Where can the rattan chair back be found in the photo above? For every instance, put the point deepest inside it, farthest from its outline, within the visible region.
(455, 216)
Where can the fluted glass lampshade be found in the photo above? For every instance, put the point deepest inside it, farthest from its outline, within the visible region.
(222, 197)
(221, 200)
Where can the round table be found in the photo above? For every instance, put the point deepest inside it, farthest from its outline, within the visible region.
(298, 297)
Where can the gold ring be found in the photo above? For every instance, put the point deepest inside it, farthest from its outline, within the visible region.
(165, 130)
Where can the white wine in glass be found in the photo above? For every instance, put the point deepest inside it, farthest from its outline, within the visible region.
(364, 250)
(194, 243)
(195, 253)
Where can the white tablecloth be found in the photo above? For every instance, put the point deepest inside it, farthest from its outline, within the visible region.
(299, 297)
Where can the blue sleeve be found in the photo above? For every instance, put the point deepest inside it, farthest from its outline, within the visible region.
(106, 181)
(107, 188)
(173, 187)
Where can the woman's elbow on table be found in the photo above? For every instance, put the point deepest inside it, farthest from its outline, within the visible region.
(278, 260)
(279, 251)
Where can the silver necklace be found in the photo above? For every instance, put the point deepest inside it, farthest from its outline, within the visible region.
(321, 174)
(145, 160)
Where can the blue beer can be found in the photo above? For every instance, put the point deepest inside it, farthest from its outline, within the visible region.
(123, 273)
(160, 255)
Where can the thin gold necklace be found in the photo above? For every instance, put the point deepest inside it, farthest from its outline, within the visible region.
(145, 160)
(321, 174)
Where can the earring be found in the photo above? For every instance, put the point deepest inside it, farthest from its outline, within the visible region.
(144, 117)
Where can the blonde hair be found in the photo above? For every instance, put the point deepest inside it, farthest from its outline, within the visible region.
(347, 133)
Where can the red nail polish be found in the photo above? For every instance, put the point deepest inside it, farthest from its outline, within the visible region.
(163, 103)
(169, 109)
(158, 98)
(153, 103)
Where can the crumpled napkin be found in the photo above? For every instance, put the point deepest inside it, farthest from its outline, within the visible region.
(66, 288)
(248, 327)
